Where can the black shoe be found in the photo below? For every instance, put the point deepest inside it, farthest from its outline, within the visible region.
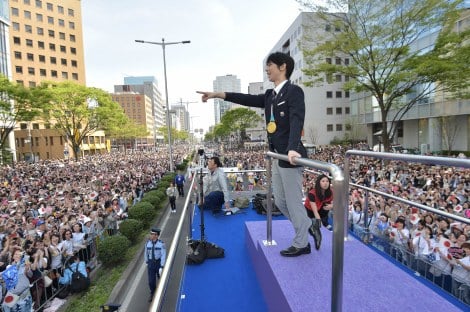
(295, 252)
(314, 230)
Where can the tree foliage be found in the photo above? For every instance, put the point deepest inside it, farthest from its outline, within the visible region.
(176, 135)
(17, 103)
(235, 121)
(77, 111)
(381, 40)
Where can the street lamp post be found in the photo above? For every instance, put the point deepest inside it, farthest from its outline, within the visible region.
(163, 44)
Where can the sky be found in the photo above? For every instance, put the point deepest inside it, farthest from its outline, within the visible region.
(227, 37)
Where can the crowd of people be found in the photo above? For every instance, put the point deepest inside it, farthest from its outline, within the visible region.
(52, 212)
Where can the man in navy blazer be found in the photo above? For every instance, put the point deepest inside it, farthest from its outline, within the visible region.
(285, 113)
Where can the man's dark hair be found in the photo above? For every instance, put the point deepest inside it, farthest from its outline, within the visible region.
(280, 58)
(216, 161)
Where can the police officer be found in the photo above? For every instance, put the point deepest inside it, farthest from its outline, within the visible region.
(155, 255)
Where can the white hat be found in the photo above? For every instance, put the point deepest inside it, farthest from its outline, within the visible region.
(86, 220)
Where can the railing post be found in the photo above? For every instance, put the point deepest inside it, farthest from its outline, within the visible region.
(269, 204)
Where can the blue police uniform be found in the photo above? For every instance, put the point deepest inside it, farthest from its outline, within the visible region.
(155, 255)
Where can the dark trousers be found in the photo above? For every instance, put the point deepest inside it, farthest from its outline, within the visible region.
(180, 189)
(152, 270)
(173, 202)
(214, 201)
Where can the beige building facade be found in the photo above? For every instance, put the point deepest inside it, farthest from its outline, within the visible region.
(46, 44)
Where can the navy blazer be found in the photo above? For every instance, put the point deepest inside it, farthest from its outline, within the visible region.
(289, 114)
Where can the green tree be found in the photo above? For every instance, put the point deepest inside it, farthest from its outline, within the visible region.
(176, 135)
(77, 111)
(17, 103)
(377, 38)
(237, 120)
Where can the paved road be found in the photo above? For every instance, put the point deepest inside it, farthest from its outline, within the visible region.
(136, 296)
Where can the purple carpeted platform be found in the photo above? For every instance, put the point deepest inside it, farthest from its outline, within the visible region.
(370, 282)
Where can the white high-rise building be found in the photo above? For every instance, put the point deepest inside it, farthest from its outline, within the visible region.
(227, 83)
(326, 106)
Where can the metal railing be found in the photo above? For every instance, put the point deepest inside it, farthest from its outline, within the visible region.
(340, 201)
(158, 298)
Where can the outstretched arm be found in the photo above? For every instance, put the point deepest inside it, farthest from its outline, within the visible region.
(211, 95)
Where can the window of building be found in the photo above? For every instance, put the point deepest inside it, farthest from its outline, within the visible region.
(62, 35)
(61, 22)
(337, 28)
(15, 26)
(60, 9)
(63, 49)
(328, 60)
(346, 78)
(346, 94)
(338, 61)
(36, 140)
(329, 128)
(31, 70)
(32, 84)
(27, 15)
(327, 27)
(54, 73)
(52, 46)
(40, 31)
(29, 42)
(63, 61)
(339, 94)
(53, 60)
(338, 78)
(339, 110)
(27, 2)
(51, 33)
(329, 77)
(19, 69)
(71, 12)
(65, 75)
(50, 20)
(74, 76)
(329, 94)
(51, 139)
(346, 110)
(71, 25)
(17, 55)
(28, 29)
(72, 38)
(339, 127)
(73, 51)
(346, 61)
(20, 82)
(38, 3)
(30, 57)
(329, 110)
(49, 6)
(15, 12)
(38, 17)
(348, 127)
(42, 72)
(41, 44)
(16, 40)
(46, 141)
(74, 63)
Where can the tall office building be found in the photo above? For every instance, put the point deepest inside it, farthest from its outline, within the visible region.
(147, 85)
(257, 134)
(46, 44)
(326, 106)
(4, 39)
(46, 41)
(138, 107)
(227, 83)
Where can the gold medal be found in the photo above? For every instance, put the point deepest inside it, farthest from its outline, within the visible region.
(271, 127)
